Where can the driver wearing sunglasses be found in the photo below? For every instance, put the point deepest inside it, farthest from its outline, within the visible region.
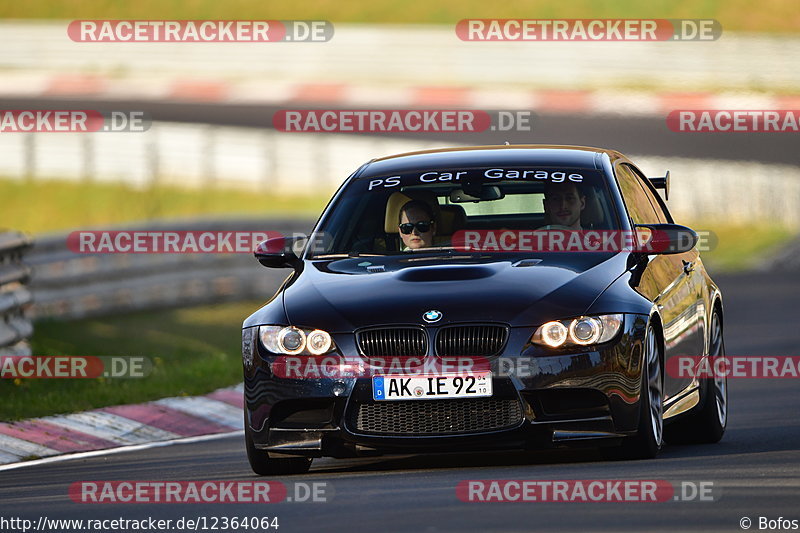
(417, 226)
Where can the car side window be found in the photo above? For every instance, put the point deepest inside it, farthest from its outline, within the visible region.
(638, 204)
(655, 201)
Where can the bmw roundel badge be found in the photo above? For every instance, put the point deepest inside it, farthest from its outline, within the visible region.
(432, 316)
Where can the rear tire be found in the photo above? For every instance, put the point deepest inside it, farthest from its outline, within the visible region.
(650, 435)
(706, 423)
(264, 465)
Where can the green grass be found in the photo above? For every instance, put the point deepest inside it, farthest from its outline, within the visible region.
(193, 351)
(734, 15)
(49, 205)
(741, 247)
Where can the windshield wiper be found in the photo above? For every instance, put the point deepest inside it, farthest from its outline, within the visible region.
(351, 254)
(433, 249)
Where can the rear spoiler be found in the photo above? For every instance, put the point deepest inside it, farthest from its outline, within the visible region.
(662, 183)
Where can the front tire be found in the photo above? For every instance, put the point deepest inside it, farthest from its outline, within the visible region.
(650, 435)
(264, 465)
(707, 423)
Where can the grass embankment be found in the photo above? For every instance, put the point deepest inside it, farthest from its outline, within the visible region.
(742, 247)
(734, 15)
(193, 351)
(50, 205)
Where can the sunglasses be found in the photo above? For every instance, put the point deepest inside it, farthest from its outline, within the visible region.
(423, 226)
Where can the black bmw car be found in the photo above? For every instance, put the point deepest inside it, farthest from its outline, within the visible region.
(418, 317)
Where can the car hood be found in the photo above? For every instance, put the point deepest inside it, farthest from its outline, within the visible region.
(347, 294)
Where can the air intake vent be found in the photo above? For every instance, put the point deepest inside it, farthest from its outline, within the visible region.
(436, 417)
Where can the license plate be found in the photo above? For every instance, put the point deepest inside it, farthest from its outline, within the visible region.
(431, 387)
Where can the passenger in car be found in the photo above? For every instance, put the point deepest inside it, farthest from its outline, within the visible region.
(417, 225)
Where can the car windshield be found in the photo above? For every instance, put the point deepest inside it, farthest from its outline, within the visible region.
(428, 210)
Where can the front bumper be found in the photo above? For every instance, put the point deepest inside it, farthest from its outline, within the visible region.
(546, 399)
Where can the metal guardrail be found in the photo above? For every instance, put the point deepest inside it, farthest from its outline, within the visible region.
(71, 285)
(15, 298)
(200, 156)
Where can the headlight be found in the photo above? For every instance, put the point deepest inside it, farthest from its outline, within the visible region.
(289, 340)
(585, 330)
(581, 331)
(553, 333)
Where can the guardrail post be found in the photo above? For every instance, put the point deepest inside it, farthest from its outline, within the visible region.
(15, 298)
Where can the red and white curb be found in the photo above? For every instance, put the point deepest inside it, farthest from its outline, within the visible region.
(270, 92)
(122, 425)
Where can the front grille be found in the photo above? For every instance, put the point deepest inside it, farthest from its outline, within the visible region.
(393, 342)
(471, 340)
(437, 417)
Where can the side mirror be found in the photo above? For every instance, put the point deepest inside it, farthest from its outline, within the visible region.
(277, 253)
(665, 238)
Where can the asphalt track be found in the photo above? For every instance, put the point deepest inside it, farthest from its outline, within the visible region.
(629, 135)
(755, 469)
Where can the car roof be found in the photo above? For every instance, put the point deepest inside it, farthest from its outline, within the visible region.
(482, 156)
